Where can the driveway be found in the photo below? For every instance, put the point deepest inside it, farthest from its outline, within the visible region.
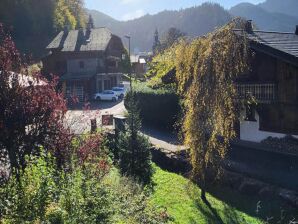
(78, 118)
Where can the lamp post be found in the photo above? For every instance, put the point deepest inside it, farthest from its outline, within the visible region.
(130, 82)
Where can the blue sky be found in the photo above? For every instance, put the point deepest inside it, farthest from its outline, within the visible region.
(129, 9)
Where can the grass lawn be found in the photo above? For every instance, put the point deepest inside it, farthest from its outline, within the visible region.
(183, 203)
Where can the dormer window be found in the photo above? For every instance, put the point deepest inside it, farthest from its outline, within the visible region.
(82, 65)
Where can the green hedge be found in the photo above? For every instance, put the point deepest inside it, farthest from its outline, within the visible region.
(159, 108)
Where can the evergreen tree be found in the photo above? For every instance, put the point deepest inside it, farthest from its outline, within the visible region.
(156, 43)
(90, 24)
(171, 37)
(134, 147)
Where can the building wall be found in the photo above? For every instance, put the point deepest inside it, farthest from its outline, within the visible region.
(287, 79)
(279, 117)
(112, 80)
(90, 65)
(250, 130)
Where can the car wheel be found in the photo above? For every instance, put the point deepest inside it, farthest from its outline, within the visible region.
(98, 98)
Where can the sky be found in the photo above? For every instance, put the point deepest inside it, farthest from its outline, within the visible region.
(130, 9)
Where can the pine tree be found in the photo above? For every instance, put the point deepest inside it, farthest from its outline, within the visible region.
(156, 43)
(134, 147)
(90, 24)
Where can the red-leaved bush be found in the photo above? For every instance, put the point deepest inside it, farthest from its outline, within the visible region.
(31, 110)
(91, 151)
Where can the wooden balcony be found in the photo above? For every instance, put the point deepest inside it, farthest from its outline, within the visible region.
(262, 92)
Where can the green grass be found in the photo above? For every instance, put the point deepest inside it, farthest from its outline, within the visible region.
(183, 203)
(182, 200)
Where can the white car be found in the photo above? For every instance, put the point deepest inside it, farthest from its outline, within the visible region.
(120, 91)
(106, 95)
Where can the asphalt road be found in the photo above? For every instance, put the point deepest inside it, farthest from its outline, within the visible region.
(79, 118)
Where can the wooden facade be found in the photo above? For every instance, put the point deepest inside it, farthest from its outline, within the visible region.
(273, 82)
(85, 66)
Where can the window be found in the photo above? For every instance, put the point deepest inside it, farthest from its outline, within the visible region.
(82, 65)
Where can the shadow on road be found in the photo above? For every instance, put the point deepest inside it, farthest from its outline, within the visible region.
(165, 136)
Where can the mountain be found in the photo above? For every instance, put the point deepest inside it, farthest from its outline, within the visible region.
(288, 7)
(194, 21)
(266, 20)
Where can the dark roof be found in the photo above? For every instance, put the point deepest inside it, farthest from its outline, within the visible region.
(75, 40)
(283, 45)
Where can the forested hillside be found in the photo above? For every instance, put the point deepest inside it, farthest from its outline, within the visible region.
(288, 7)
(194, 21)
(34, 22)
(266, 20)
(274, 15)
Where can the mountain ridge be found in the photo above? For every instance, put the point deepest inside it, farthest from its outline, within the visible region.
(199, 20)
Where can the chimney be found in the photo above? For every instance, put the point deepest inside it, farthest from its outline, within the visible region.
(296, 32)
(248, 26)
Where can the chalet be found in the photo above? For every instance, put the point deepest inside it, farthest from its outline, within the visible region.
(87, 61)
(273, 83)
(139, 63)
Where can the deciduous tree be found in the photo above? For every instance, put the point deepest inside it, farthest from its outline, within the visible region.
(206, 71)
(31, 111)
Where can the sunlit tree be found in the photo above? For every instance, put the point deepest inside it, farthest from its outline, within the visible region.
(205, 71)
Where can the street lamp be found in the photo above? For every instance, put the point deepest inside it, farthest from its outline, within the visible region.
(128, 37)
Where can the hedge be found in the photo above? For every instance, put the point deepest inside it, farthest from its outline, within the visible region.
(159, 108)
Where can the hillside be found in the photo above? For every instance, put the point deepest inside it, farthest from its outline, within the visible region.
(270, 15)
(33, 23)
(288, 7)
(264, 19)
(194, 21)
(34, 28)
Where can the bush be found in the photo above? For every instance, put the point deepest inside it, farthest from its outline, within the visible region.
(159, 108)
(89, 190)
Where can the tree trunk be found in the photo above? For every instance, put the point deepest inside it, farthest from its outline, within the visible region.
(203, 183)
(203, 194)
(203, 189)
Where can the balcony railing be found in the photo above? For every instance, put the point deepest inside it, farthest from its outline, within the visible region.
(264, 93)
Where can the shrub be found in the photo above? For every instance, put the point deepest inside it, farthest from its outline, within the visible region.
(159, 108)
(26, 199)
(86, 192)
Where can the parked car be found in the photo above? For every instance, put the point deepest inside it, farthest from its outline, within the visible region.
(106, 95)
(120, 91)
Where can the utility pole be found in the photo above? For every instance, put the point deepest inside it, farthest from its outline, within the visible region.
(130, 81)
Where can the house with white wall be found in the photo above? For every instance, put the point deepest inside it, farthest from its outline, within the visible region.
(272, 83)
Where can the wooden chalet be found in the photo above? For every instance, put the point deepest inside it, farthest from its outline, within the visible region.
(273, 83)
(86, 60)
